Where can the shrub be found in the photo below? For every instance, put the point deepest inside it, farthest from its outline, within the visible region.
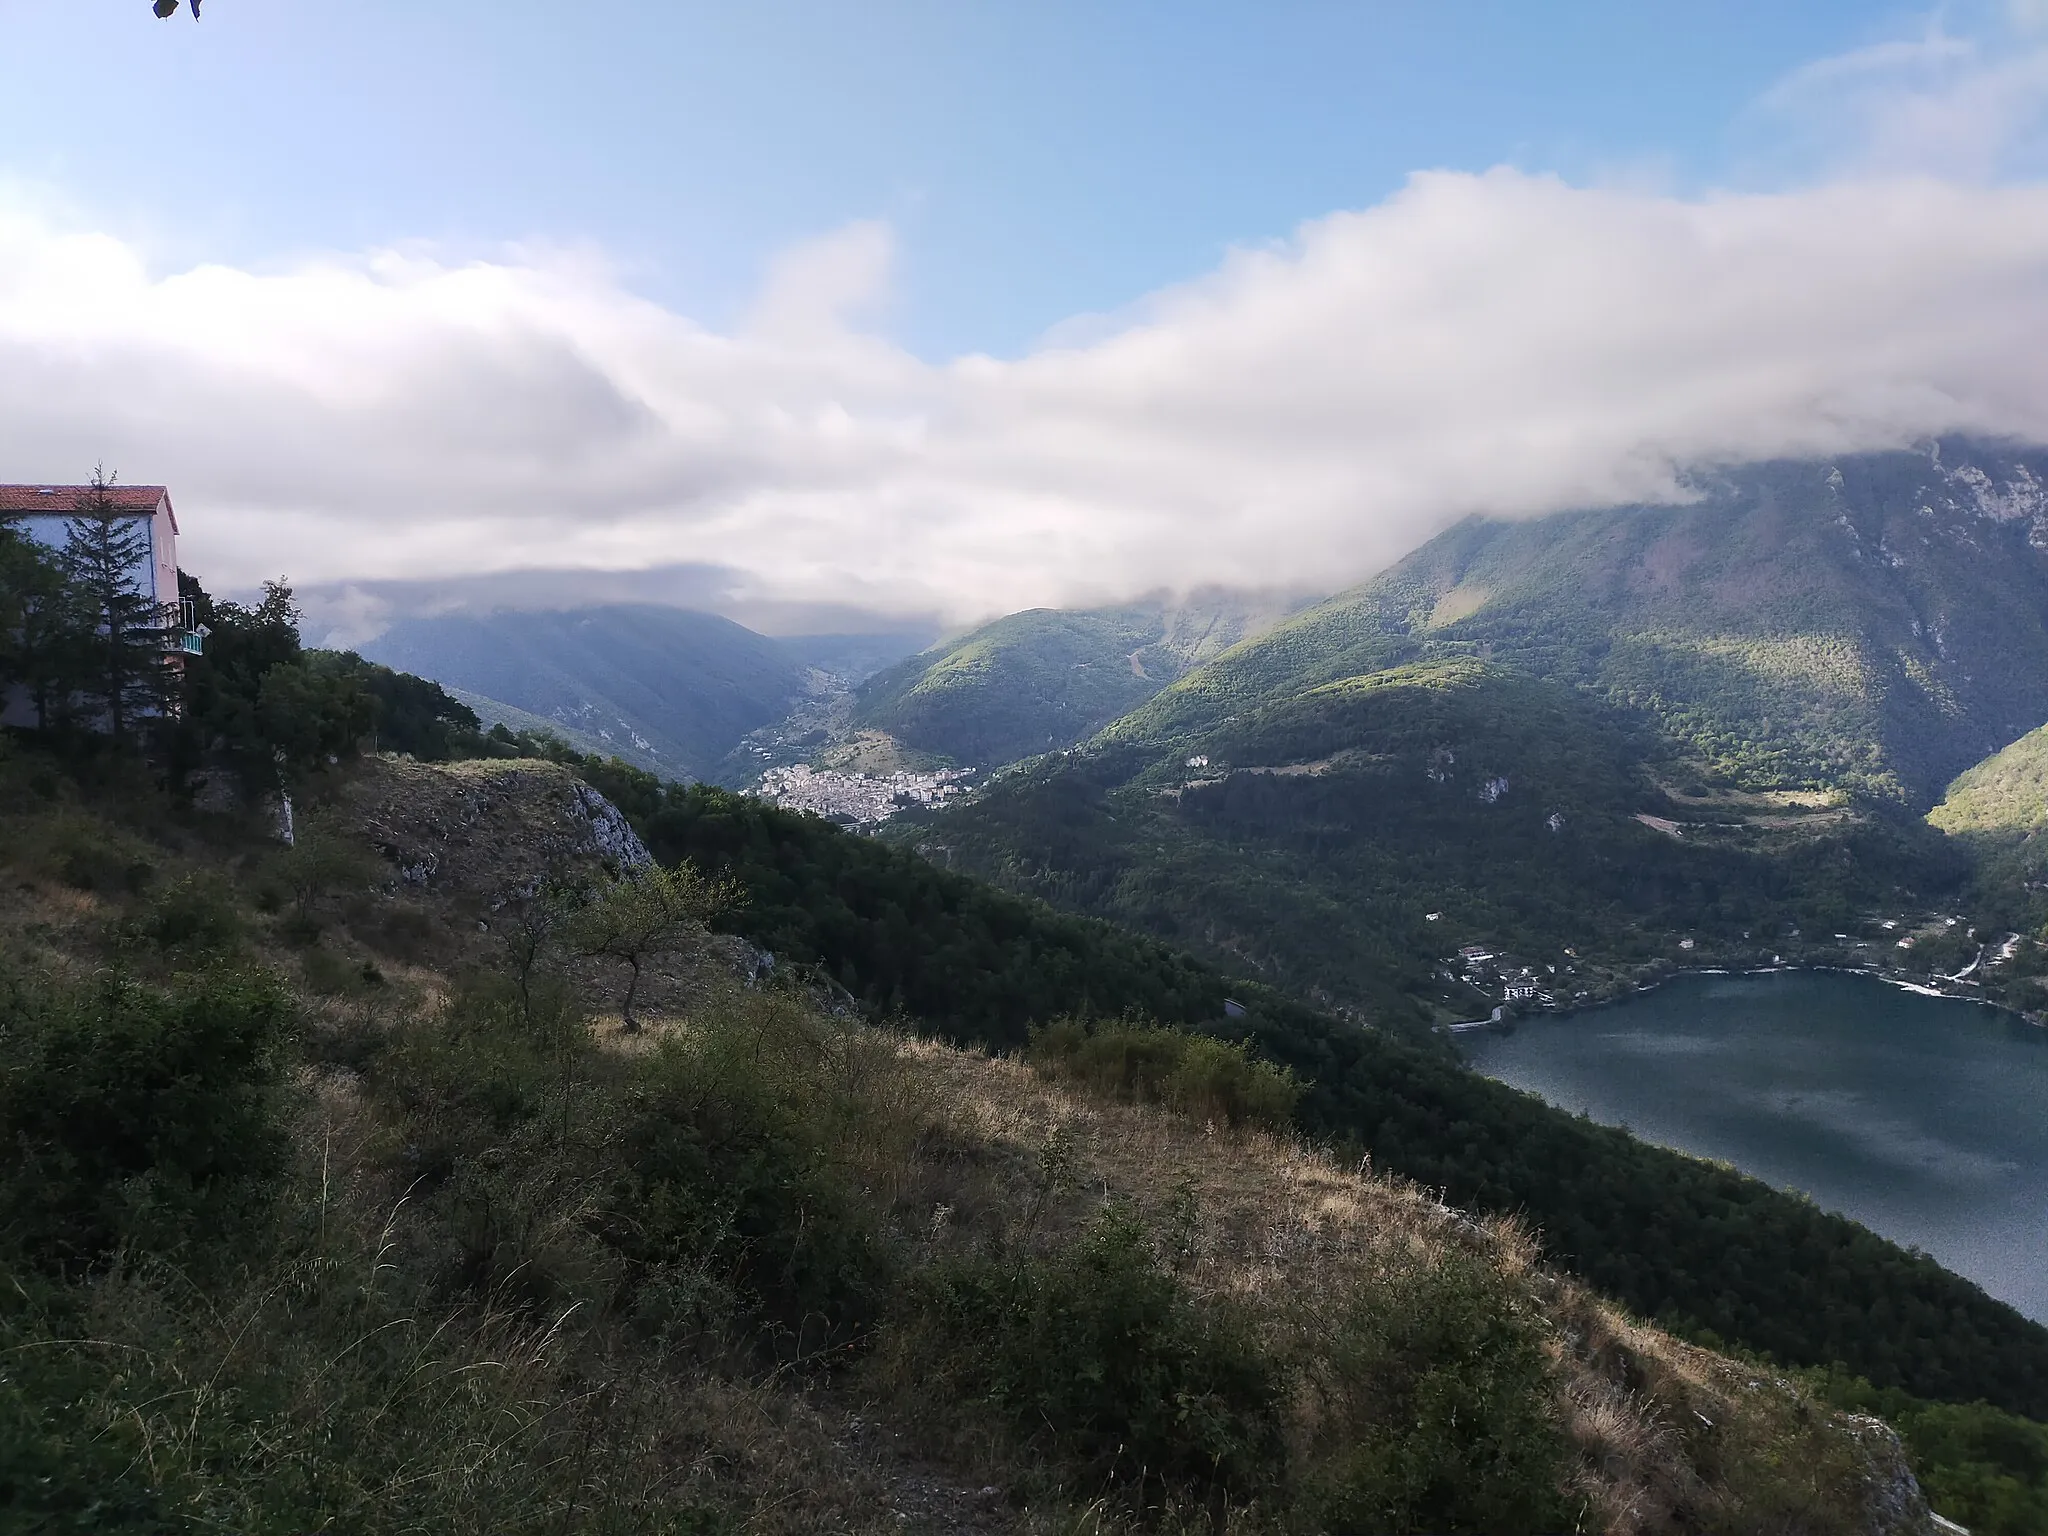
(89, 855)
(325, 859)
(725, 1199)
(1100, 1354)
(1195, 1075)
(60, 1473)
(692, 1184)
(1435, 1408)
(194, 916)
(331, 974)
(125, 1107)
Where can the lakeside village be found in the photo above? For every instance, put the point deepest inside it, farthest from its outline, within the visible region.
(1512, 986)
(859, 799)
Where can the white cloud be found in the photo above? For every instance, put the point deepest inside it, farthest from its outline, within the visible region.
(1968, 105)
(1500, 343)
(817, 287)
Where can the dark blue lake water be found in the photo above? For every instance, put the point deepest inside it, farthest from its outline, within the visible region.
(1925, 1118)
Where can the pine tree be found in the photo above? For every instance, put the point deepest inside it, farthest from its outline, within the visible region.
(124, 642)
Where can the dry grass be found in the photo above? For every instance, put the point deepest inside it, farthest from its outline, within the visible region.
(1667, 1437)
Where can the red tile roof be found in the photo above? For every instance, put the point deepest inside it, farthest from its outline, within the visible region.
(69, 498)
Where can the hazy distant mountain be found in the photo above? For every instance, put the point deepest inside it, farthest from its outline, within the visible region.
(1046, 678)
(668, 688)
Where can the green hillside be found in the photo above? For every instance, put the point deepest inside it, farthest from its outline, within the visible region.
(1998, 811)
(363, 1211)
(2000, 804)
(1877, 622)
(1043, 679)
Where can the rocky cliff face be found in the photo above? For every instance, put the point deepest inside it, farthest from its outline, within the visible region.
(486, 829)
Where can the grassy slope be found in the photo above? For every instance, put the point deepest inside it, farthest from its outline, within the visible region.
(687, 685)
(1043, 679)
(496, 1283)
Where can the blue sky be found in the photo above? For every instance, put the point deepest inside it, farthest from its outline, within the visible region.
(1036, 160)
(943, 310)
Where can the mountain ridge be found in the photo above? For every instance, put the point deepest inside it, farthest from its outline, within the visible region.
(1046, 678)
(1875, 621)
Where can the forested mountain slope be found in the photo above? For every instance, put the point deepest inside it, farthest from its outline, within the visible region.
(1046, 678)
(1998, 811)
(2002, 802)
(1877, 622)
(1343, 840)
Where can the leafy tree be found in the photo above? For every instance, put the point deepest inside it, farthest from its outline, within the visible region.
(413, 715)
(16, 555)
(322, 859)
(254, 702)
(531, 929)
(651, 912)
(124, 641)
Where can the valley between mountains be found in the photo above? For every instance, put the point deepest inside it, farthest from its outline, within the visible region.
(1781, 723)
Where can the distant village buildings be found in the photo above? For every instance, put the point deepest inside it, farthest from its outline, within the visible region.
(859, 799)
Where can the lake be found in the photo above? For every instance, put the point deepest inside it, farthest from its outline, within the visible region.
(1924, 1118)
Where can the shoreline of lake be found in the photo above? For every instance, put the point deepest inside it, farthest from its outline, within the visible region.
(1919, 989)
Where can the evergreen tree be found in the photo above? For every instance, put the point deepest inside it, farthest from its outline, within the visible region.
(124, 642)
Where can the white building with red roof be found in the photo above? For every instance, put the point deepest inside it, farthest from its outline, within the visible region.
(45, 509)
(43, 513)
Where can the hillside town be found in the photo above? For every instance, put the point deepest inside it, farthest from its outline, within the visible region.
(859, 799)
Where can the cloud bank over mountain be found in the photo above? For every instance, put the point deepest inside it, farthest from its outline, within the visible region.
(1501, 343)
